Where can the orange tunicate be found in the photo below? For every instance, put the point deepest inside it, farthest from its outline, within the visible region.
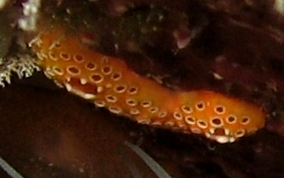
(108, 82)
(220, 117)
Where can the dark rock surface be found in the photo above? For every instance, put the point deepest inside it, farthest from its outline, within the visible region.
(233, 47)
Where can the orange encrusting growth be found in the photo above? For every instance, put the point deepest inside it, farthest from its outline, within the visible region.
(108, 82)
(219, 117)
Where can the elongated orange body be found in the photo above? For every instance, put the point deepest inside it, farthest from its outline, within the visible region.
(108, 82)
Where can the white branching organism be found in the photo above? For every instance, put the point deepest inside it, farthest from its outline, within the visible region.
(24, 65)
(30, 15)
